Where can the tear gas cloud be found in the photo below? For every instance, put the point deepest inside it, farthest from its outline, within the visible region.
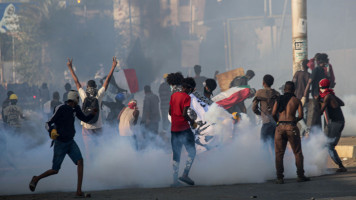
(115, 163)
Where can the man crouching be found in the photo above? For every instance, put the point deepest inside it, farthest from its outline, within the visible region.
(287, 131)
(61, 128)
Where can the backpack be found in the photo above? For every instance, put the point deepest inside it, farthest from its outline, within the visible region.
(89, 104)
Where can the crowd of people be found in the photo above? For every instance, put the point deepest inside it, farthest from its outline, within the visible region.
(175, 107)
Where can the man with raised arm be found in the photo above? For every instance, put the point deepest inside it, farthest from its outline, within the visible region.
(91, 98)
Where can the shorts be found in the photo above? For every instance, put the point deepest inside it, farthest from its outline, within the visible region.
(61, 149)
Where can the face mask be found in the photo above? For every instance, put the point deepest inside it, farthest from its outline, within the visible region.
(171, 87)
(92, 91)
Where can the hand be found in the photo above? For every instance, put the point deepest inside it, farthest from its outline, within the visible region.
(54, 134)
(194, 125)
(303, 100)
(69, 63)
(114, 61)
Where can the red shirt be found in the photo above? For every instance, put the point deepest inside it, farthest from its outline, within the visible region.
(179, 100)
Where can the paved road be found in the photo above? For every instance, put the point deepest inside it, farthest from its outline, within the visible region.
(340, 186)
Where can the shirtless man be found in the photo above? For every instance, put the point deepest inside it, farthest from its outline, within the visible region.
(334, 118)
(287, 130)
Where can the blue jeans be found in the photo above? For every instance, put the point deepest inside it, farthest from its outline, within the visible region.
(334, 133)
(61, 149)
(267, 133)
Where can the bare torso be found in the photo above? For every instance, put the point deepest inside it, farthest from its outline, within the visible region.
(288, 114)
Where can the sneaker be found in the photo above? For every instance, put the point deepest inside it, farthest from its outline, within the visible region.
(186, 180)
(303, 179)
(279, 181)
(341, 169)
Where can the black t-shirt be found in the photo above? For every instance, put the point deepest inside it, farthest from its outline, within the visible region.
(318, 74)
(63, 118)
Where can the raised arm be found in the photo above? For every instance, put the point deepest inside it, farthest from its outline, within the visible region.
(107, 80)
(75, 78)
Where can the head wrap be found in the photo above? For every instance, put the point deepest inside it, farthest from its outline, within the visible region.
(132, 104)
(325, 84)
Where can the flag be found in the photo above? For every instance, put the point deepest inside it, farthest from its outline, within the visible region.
(231, 97)
(127, 79)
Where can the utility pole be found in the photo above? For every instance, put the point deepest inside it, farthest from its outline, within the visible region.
(299, 33)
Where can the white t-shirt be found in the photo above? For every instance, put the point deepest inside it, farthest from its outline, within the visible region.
(99, 96)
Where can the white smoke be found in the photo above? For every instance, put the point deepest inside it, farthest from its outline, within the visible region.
(115, 163)
(350, 115)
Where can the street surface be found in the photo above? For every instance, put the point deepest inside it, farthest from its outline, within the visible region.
(341, 186)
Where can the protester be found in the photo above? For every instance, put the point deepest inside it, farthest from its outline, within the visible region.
(150, 113)
(62, 131)
(180, 129)
(262, 105)
(199, 105)
(284, 111)
(300, 80)
(128, 119)
(115, 108)
(199, 80)
(328, 71)
(91, 99)
(13, 114)
(44, 94)
(55, 101)
(164, 96)
(317, 75)
(6, 103)
(239, 81)
(174, 80)
(334, 118)
(67, 87)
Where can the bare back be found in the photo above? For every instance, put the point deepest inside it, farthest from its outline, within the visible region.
(288, 114)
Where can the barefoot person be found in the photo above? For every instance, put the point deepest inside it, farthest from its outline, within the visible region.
(180, 129)
(287, 131)
(63, 122)
(334, 118)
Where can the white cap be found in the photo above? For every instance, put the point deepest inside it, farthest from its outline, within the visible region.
(74, 96)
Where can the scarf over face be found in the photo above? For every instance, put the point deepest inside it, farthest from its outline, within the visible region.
(325, 84)
(132, 104)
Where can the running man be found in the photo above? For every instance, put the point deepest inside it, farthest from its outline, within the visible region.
(62, 121)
